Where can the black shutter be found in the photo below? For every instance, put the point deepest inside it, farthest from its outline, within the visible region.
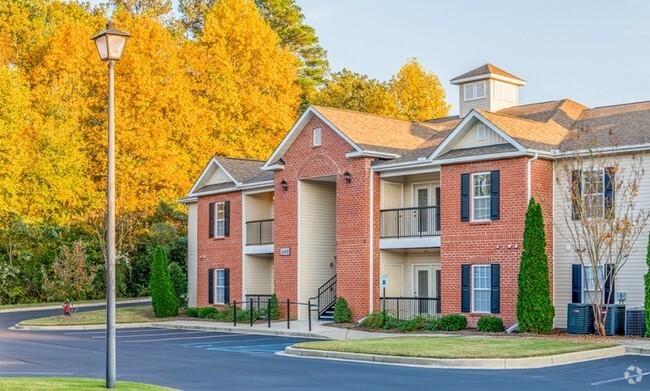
(211, 220)
(211, 286)
(226, 210)
(576, 194)
(609, 270)
(609, 192)
(494, 196)
(464, 197)
(576, 284)
(495, 293)
(226, 285)
(465, 288)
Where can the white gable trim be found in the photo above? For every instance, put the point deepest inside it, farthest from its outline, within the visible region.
(209, 170)
(495, 156)
(490, 76)
(382, 155)
(296, 129)
(461, 126)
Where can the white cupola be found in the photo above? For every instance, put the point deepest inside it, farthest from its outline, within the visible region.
(487, 88)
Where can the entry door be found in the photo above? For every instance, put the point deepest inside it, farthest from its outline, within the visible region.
(423, 287)
(422, 200)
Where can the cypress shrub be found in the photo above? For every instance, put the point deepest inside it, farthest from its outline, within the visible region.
(275, 307)
(179, 282)
(342, 312)
(163, 299)
(646, 279)
(535, 311)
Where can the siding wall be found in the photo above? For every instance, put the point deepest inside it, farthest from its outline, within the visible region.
(259, 206)
(498, 104)
(191, 254)
(317, 238)
(406, 261)
(478, 104)
(470, 139)
(407, 182)
(629, 278)
(259, 275)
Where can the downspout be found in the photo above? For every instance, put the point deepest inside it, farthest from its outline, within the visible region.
(528, 173)
(372, 239)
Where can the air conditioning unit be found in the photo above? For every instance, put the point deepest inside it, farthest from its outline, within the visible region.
(614, 322)
(635, 321)
(580, 318)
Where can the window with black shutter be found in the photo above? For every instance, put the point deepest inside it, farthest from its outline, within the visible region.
(211, 286)
(211, 220)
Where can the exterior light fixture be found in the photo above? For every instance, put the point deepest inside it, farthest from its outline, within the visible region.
(284, 185)
(348, 177)
(110, 44)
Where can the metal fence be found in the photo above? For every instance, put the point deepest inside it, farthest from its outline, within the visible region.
(259, 232)
(405, 308)
(410, 222)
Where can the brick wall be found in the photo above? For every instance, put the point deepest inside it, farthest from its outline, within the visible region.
(305, 161)
(497, 241)
(219, 253)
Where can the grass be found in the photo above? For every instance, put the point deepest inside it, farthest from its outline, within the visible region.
(57, 303)
(56, 384)
(456, 347)
(142, 314)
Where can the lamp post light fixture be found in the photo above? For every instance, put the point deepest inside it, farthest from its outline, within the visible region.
(284, 185)
(110, 44)
(348, 177)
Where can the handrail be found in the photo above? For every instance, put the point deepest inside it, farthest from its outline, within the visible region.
(259, 232)
(326, 296)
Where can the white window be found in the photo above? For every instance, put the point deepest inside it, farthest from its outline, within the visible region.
(593, 192)
(504, 91)
(317, 137)
(474, 90)
(481, 132)
(481, 285)
(220, 220)
(481, 192)
(220, 286)
(589, 288)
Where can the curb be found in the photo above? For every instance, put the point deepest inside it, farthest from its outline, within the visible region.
(281, 333)
(85, 305)
(476, 363)
(640, 350)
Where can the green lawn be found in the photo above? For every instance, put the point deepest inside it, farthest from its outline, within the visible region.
(456, 347)
(141, 314)
(56, 384)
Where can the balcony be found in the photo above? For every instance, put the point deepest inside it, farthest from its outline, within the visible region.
(417, 227)
(259, 237)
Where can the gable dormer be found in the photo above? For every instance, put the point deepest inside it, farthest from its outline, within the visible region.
(487, 88)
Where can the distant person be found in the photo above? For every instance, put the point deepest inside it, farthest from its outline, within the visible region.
(66, 308)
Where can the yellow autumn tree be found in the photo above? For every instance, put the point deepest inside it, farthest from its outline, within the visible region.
(244, 81)
(418, 93)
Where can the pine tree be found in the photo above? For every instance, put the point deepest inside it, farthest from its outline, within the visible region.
(534, 309)
(163, 299)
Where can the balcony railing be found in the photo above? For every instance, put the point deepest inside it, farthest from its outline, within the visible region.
(410, 222)
(259, 232)
(405, 308)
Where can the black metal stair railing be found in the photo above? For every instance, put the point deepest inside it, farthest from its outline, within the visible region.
(326, 296)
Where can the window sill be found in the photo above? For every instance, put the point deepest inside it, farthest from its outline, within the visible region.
(480, 222)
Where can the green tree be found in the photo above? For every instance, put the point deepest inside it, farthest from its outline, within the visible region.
(342, 312)
(419, 94)
(286, 19)
(535, 311)
(163, 299)
(354, 91)
(647, 291)
(179, 282)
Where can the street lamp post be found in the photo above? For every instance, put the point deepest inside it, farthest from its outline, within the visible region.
(110, 44)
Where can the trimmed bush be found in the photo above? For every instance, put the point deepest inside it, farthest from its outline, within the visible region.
(647, 292)
(490, 324)
(179, 282)
(163, 298)
(192, 312)
(434, 324)
(373, 321)
(417, 323)
(342, 312)
(535, 312)
(453, 322)
(207, 313)
(275, 307)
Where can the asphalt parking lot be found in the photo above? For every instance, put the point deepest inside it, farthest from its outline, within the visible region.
(210, 341)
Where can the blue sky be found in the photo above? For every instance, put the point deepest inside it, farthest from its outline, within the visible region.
(596, 52)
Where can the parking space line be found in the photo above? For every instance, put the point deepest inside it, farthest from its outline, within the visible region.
(175, 339)
(148, 335)
(120, 331)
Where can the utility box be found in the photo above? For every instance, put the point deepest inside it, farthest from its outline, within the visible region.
(580, 318)
(614, 322)
(635, 321)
